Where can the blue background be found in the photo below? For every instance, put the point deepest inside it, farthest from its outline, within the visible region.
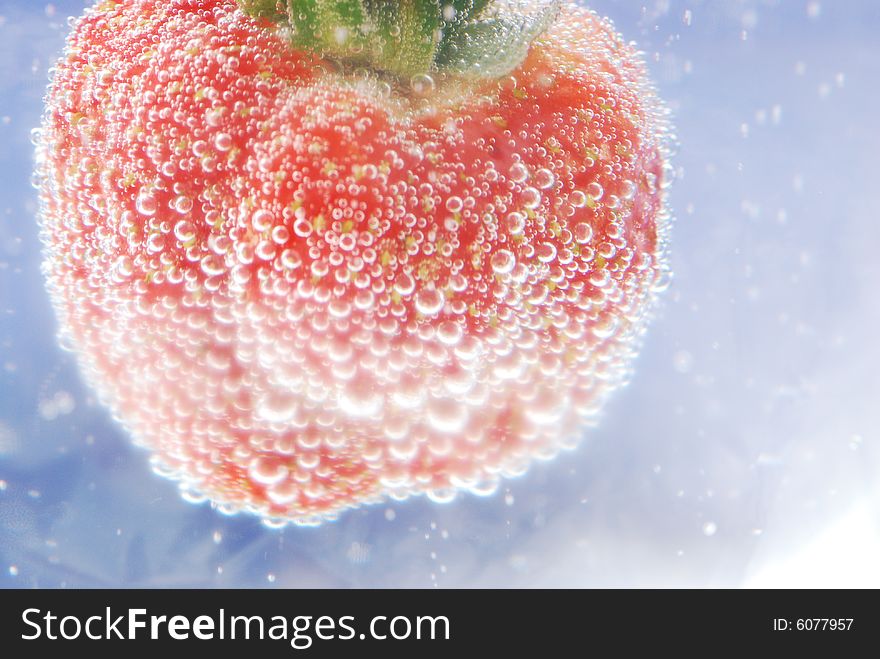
(743, 453)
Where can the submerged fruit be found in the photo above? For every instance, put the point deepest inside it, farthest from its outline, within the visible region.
(306, 281)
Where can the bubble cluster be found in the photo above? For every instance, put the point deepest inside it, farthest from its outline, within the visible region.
(303, 292)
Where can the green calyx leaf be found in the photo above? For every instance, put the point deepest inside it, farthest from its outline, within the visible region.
(493, 46)
(474, 38)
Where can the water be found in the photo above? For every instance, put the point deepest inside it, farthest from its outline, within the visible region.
(744, 451)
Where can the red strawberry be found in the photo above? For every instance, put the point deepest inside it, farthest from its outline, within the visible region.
(377, 252)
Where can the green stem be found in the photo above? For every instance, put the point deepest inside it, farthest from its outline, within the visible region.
(410, 37)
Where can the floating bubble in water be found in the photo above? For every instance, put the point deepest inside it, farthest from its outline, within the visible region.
(583, 233)
(544, 178)
(595, 191)
(518, 172)
(262, 220)
(422, 84)
(503, 262)
(429, 302)
(146, 204)
(531, 198)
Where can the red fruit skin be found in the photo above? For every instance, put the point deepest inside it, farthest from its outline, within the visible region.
(303, 291)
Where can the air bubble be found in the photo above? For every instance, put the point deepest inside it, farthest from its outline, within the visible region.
(442, 495)
(516, 222)
(544, 179)
(454, 204)
(262, 220)
(267, 471)
(531, 198)
(302, 228)
(503, 262)
(518, 172)
(184, 231)
(578, 199)
(429, 302)
(290, 259)
(277, 407)
(360, 403)
(405, 285)
(546, 252)
(449, 333)
(447, 416)
(583, 233)
(183, 204)
(155, 243)
(146, 204)
(422, 84)
(123, 267)
(265, 250)
(595, 191)
(212, 265)
(223, 141)
(280, 235)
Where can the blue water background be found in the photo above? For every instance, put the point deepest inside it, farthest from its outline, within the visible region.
(744, 452)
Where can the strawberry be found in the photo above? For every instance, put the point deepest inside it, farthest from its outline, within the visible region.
(318, 253)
